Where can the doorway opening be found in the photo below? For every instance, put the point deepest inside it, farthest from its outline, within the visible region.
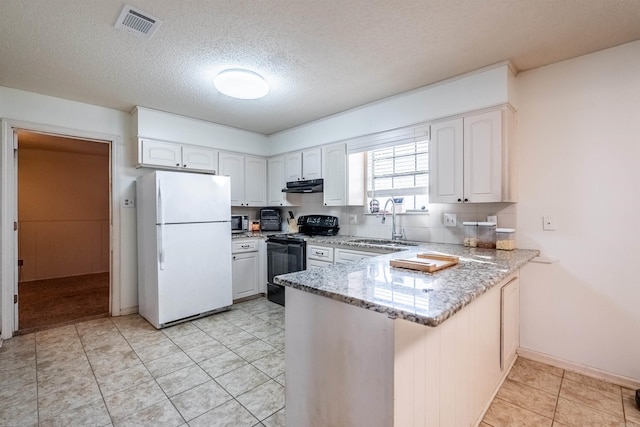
(63, 230)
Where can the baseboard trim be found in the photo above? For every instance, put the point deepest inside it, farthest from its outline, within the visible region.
(128, 310)
(581, 369)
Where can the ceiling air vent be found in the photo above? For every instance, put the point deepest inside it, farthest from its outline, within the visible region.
(137, 22)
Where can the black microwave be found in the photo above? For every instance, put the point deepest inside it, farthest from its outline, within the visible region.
(239, 223)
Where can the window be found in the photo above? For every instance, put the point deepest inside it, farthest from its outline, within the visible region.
(399, 171)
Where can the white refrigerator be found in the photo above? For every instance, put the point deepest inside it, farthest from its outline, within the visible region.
(184, 246)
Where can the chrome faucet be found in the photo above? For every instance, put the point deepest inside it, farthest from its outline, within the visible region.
(394, 234)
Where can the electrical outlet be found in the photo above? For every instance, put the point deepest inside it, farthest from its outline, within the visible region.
(492, 218)
(129, 202)
(450, 220)
(549, 223)
(353, 219)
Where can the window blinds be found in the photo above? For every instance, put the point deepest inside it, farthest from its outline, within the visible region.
(389, 138)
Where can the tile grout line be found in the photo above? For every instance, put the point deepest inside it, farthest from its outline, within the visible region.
(35, 357)
(93, 372)
(555, 409)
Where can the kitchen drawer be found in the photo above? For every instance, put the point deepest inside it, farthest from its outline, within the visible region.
(314, 263)
(243, 245)
(345, 256)
(320, 253)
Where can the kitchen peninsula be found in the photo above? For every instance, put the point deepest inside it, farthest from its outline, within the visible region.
(369, 344)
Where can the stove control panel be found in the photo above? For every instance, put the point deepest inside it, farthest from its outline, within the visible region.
(318, 220)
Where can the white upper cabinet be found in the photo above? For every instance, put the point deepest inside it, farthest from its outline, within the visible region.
(247, 177)
(472, 159)
(446, 162)
(173, 155)
(232, 165)
(276, 182)
(255, 181)
(303, 165)
(334, 163)
(312, 164)
(344, 176)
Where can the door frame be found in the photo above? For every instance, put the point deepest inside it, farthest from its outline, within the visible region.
(9, 215)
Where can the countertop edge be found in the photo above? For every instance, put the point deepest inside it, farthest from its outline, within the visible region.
(497, 276)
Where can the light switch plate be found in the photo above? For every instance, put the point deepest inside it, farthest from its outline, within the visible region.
(353, 219)
(450, 220)
(548, 222)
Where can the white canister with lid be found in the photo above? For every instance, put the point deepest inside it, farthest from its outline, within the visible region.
(506, 239)
(470, 234)
(487, 235)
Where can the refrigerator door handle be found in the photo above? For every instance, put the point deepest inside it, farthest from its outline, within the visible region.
(161, 247)
(161, 222)
(160, 207)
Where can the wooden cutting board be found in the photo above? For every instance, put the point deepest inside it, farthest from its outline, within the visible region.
(426, 262)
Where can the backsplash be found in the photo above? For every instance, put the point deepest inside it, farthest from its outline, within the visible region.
(427, 227)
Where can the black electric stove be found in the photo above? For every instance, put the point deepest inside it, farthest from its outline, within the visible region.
(287, 253)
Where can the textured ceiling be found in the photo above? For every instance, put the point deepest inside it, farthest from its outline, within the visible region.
(320, 57)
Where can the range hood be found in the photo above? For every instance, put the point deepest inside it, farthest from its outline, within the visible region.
(306, 186)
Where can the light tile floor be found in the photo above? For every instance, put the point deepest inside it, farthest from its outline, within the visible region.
(535, 394)
(228, 370)
(223, 370)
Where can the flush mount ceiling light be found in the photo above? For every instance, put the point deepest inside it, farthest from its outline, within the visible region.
(241, 84)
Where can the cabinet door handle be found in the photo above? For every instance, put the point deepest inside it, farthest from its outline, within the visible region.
(177, 164)
(184, 165)
(466, 200)
(459, 200)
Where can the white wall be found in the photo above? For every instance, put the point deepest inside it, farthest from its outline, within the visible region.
(579, 148)
(60, 113)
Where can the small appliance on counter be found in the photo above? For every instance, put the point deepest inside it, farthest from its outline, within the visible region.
(270, 219)
(239, 223)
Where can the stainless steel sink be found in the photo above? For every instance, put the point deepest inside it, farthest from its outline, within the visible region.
(384, 242)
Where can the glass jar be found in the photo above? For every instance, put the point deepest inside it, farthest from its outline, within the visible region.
(470, 234)
(487, 235)
(505, 239)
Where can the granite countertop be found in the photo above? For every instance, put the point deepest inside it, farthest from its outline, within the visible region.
(425, 298)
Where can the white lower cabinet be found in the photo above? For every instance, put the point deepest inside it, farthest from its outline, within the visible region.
(324, 256)
(345, 256)
(246, 267)
(509, 322)
(319, 256)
